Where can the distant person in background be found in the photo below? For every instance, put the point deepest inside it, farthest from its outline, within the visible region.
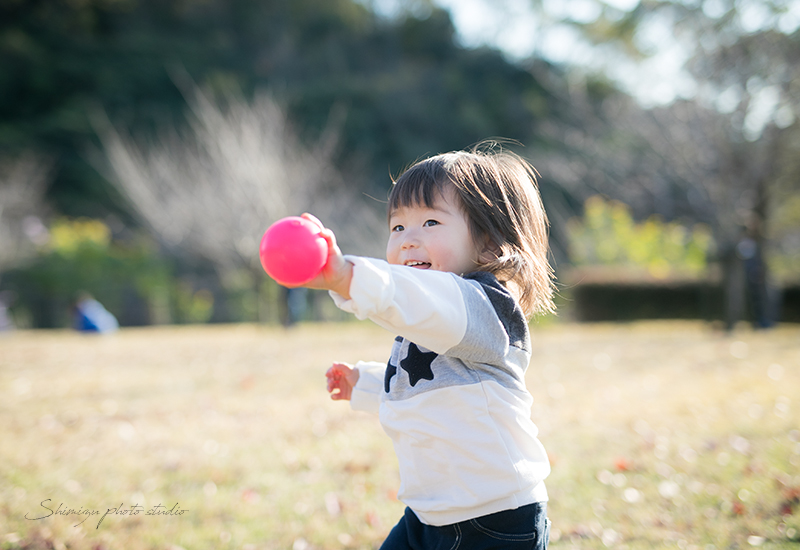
(296, 303)
(749, 291)
(89, 315)
(760, 296)
(6, 323)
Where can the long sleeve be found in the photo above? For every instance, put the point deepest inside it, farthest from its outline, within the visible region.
(366, 394)
(426, 307)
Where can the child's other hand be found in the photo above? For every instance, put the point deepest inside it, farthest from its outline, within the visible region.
(342, 379)
(337, 272)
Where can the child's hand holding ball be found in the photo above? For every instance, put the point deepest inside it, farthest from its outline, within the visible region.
(300, 251)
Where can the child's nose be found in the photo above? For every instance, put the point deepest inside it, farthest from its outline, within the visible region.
(410, 241)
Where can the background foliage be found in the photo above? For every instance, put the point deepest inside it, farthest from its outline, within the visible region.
(406, 88)
(608, 235)
(101, 99)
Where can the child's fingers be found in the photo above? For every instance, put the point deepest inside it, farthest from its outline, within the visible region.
(334, 385)
(330, 238)
(335, 376)
(336, 272)
(340, 369)
(325, 233)
(313, 219)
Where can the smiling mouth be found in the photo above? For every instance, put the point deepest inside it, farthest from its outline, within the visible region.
(418, 264)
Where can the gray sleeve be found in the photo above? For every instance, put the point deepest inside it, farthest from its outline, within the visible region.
(497, 334)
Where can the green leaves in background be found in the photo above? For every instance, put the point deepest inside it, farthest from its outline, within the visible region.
(608, 236)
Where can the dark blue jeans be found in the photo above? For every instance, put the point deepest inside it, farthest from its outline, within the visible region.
(526, 527)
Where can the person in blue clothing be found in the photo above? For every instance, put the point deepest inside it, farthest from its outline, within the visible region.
(466, 267)
(89, 315)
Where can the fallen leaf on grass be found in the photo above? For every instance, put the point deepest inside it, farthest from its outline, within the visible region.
(250, 496)
(791, 498)
(622, 464)
(372, 519)
(332, 504)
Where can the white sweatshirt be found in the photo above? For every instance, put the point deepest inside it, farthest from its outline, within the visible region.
(452, 396)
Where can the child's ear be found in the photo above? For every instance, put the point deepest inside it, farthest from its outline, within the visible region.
(490, 251)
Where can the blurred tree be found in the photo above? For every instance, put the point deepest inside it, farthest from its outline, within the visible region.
(404, 87)
(372, 94)
(213, 189)
(607, 235)
(726, 156)
(23, 181)
(78, 256)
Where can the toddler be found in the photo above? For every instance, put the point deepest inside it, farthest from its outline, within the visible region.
(466, 268)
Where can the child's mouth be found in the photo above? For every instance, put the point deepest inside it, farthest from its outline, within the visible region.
(418, 264)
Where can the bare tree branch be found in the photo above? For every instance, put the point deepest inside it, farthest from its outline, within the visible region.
(213, 189)
(23, 182)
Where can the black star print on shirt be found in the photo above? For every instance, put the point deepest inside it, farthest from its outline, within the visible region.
(391, 370)
(417, 364)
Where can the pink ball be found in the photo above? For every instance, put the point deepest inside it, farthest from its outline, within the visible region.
(292, 251)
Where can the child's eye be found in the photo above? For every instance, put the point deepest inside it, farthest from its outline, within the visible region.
(430, 223)
(397, 228)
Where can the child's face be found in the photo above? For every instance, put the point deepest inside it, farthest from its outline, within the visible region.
(435, 238)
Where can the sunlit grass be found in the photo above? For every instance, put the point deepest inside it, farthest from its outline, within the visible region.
(661, 435)
(670, 435)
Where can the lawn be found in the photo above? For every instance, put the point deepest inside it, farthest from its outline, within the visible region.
(661, 435)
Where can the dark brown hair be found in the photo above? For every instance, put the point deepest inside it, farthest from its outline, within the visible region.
(498, 192)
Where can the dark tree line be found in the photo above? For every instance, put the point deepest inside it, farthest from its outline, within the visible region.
(401, 88)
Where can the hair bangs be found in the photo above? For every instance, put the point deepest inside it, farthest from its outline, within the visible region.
(420, 185)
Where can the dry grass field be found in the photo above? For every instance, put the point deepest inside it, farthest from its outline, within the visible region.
(661, 435)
